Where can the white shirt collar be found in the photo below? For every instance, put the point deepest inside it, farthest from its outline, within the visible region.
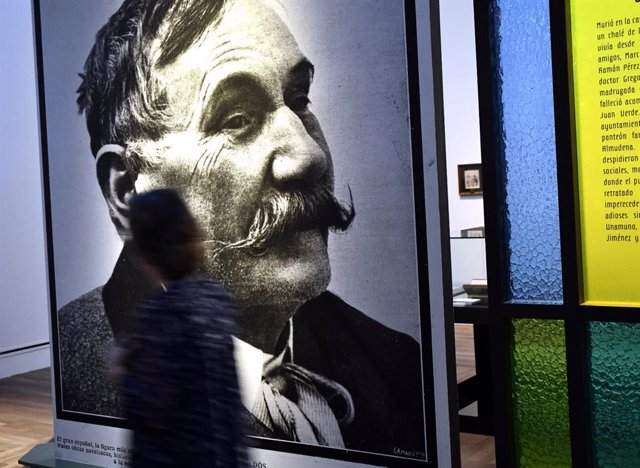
(252, 363)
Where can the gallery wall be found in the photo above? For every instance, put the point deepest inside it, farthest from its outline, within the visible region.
(24, 329)
(462, 136)
(462, 129)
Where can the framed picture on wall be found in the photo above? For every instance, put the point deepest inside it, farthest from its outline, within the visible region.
(470, 179)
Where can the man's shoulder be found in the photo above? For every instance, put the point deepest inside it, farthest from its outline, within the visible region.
(84, 317)
(87, 308)
(330, 313)
(84, 336)
(380, 368)
(327, 330)
(91, 297)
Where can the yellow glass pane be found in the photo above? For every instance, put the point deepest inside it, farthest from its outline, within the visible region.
(605, 47)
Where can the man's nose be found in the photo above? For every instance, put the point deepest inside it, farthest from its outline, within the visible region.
(297, 156)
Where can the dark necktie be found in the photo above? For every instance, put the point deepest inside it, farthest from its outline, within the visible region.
(303, 406)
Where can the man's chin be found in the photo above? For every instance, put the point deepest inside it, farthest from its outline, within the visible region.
(293, 270)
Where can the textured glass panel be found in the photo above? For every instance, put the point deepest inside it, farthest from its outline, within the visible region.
(527, 141)
(614, 368)
(540, 401)
(607, 142)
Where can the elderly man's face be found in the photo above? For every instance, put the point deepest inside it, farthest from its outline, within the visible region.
(238, 102)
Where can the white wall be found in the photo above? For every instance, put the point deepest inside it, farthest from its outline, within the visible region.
(462, 135)
(462, 131)
(23, 280)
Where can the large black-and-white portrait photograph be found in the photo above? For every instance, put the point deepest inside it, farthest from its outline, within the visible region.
(285, 126)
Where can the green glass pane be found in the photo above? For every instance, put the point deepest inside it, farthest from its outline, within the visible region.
(539, 394)
(614, 371)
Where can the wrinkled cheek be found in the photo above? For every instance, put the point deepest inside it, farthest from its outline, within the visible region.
(208, 204)
(171, 162)
(225, 200)
(168, 176)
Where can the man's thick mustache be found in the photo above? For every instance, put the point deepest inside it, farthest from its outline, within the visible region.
(285, 212)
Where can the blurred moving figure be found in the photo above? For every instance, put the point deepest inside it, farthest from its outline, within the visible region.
(179, 382)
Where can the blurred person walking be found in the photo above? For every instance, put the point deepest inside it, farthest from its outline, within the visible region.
(179, 382)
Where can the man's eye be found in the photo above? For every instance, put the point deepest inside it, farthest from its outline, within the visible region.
(300, 103)
(236, 122)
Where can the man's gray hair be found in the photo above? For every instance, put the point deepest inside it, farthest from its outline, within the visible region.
(117, 93)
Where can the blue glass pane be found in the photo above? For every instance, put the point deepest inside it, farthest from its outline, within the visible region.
(527, 153)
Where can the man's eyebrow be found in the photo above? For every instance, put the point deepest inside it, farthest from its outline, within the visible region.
(248, 82)
(303, 67)
(230, 87)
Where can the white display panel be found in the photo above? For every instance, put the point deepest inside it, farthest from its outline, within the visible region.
(365, 73)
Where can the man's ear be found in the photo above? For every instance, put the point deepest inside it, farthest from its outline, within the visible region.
(117, 183)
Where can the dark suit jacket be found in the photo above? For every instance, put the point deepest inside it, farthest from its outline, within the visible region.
(381, 368)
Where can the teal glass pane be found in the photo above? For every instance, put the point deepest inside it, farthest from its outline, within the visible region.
(614, 382)
(539, 394)
(526, 150)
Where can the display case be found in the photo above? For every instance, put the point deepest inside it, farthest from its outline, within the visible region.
(470, 301)
(468, 268)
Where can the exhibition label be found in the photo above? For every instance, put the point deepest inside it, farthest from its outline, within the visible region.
(605, 46)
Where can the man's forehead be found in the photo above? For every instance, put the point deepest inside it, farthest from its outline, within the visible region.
(278, 7)
(249, 37)
(240, 23)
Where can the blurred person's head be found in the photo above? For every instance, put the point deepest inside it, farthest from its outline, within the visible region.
(210, 98)
(164, 234)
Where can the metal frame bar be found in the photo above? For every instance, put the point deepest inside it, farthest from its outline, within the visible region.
(498, 317)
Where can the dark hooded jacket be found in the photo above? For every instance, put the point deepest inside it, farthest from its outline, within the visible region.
(180, 390)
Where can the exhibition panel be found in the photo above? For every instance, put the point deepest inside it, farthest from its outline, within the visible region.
(355, 85)
(605, 48)
(243, 106)
(576, 405)
(604, 68)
